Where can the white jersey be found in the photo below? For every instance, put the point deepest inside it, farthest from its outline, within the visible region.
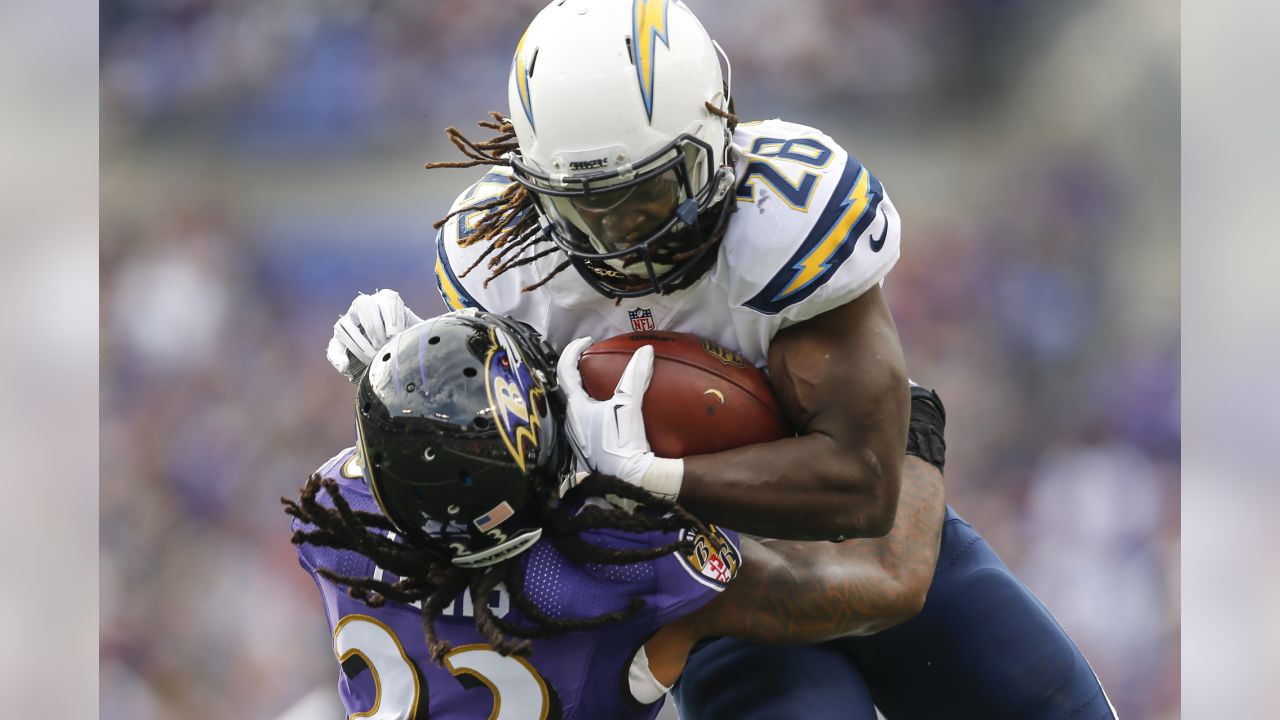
(813, 230)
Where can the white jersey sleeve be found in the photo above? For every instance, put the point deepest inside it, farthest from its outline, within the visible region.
(814, 229)
(460, 284)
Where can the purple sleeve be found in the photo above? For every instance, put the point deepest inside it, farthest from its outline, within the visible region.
(686, 582)
(671, 586)
(342, 469)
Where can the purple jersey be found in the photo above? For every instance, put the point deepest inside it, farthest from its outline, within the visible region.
(386, 671)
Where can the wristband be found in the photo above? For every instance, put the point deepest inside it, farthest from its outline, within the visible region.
(663, 477)
(925, 431)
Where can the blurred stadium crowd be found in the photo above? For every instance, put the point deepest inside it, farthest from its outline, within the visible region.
(261, 164)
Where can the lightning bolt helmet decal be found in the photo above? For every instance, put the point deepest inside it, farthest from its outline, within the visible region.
(521, 70)
(649, 25)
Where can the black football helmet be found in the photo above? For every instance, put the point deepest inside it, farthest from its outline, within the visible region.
(459, 427)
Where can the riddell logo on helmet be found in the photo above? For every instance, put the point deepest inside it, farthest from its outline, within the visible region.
(588, 164)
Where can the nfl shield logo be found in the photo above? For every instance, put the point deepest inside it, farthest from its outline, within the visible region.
(641, 319)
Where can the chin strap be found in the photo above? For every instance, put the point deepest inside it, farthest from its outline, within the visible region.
(499, 552)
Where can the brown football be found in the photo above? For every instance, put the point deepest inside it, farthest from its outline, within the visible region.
(702, 399)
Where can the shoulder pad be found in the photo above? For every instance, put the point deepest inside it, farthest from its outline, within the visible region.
(346, 470)
(452, 258)
(814, 228)
(344, 465)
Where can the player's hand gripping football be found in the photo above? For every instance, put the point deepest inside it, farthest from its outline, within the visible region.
(368, 324)
(609, 435)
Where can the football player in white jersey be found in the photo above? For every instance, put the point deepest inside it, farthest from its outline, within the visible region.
(622, 194)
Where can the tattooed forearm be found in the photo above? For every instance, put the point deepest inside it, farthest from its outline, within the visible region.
(801, 592)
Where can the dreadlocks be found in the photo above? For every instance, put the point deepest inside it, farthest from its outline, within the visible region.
(510, 223)
(427, 575)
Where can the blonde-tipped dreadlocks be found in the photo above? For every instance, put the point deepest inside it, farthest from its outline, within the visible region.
(510, 222)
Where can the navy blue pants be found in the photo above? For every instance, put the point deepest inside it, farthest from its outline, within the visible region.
(983, 647)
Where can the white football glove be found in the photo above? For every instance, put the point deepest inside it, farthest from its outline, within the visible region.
(368, 324)
(609, 435)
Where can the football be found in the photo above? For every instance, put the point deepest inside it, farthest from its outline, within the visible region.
(702, 398)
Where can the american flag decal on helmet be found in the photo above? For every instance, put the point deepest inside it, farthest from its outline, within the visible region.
(495, 517)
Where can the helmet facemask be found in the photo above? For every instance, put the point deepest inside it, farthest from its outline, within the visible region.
(634, 230)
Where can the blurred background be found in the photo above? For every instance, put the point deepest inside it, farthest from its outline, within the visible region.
(261, 163)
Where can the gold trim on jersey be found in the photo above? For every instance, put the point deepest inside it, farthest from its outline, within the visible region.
(373, 672)
(497, 695)
(450, 293)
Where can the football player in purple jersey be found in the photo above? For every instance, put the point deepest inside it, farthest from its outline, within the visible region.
(457, 580)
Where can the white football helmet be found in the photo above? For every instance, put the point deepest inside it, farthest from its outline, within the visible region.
(629, 167)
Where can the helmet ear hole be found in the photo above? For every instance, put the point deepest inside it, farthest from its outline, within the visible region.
(469, 372)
